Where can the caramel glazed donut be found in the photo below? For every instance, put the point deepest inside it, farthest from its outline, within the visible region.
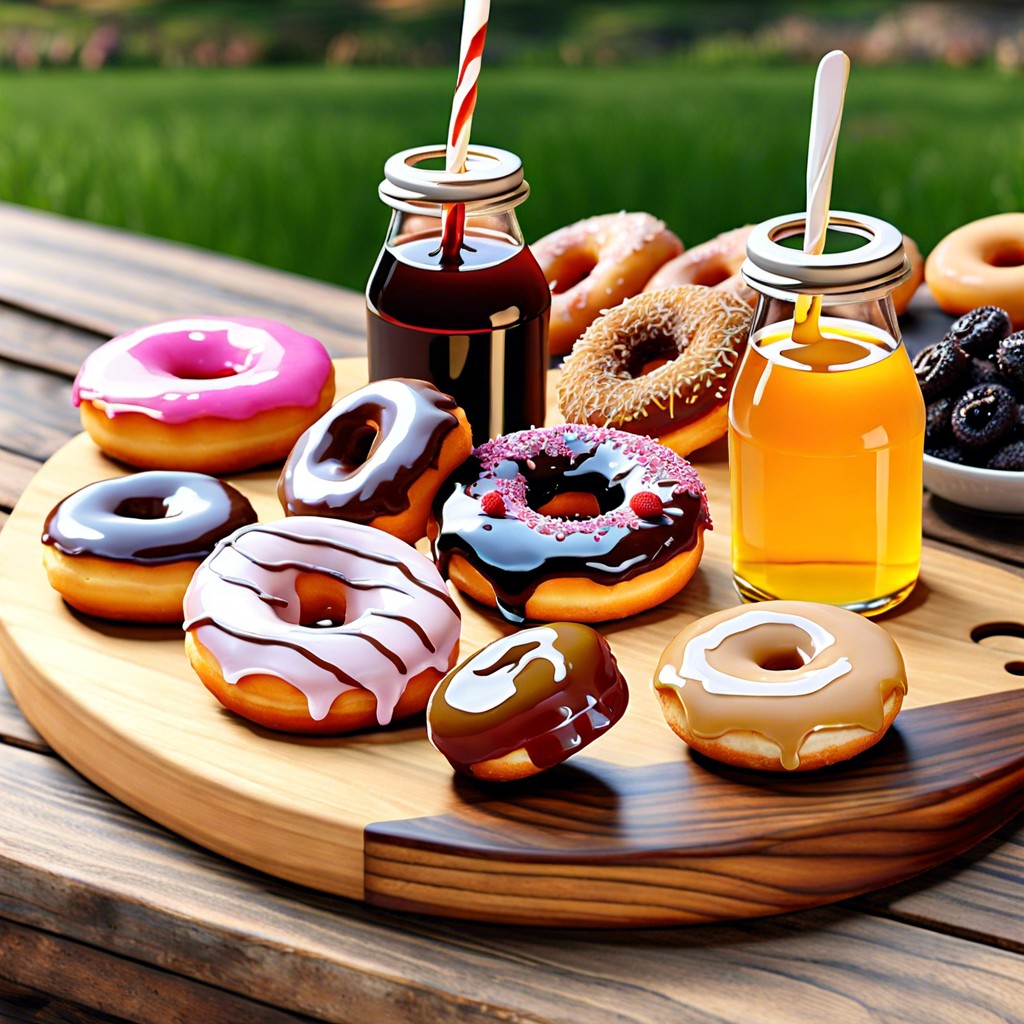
(527, 702)
(782, 684)
(700, 333)
(378, 457)
(594, 264)
(126, 548)
(714, 264)
(571, 522)
(980, 264)
(314, 625)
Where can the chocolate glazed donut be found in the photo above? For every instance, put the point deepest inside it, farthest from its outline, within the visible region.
(527, 702)
(365, 460)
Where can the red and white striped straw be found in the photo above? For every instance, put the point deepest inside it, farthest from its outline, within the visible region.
(474, 29)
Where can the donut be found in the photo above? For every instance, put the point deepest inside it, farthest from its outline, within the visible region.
(781, 685)
(595, 263)
(714, 264)
(126, 548)
(696, 334)
(903, 293)
(378, 457)
(527, 702)
(313, 625)
(571, 522)
(980, 264)
(210, 394)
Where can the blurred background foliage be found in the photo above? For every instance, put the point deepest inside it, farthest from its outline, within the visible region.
(260, 129)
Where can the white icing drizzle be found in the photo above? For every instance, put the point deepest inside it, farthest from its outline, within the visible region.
(789, 683)
(478, 687)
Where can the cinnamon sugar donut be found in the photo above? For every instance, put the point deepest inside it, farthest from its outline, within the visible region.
(715, 264)
(903, 293)
(781, 684)
(594, 264)
(696, 333)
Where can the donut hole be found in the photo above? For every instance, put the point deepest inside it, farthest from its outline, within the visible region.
(648, 355)
(348, 442)
(576, 498)
(711, 274)
(322, 601)
(359, 445)
(142, 508)
(1009, 254)
(782, 661)
(572, 268)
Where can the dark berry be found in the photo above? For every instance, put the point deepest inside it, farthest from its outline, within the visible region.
(984, 371)
(1010, 456)
(948, 454)
(979, 331)
(1010, 358)
(938, 430)
(986, 413)
(938, 367)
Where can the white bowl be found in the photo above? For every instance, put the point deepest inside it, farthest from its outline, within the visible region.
(988, 490)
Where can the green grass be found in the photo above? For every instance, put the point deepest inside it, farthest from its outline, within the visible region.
(281, 165)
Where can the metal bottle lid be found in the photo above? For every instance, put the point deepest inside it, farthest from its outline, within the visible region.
(869, 271)
(493, 178)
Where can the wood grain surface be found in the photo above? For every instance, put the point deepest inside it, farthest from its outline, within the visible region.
(76, 863)
(121, 704)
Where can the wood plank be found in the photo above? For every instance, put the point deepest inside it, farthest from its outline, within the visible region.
(22, 1005)
(15, 473)
(126, 886)
(43, 342)
(996, 536)
(14, 729)
(36, 414)
(108, 281)
(121, 988)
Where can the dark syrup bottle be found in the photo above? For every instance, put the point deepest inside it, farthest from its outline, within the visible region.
(475, 325)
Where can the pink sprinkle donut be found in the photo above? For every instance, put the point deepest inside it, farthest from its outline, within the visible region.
(208, 394)
(573, 522)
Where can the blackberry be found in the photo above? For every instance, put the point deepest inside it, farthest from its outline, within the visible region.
(1010, 456)
(1010, 358)
(979, 331)
(951, 453)
(985, 414)
(938, 429)
(938, 367)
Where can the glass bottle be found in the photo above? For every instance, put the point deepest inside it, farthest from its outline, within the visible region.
(826, 429)
(473, 321)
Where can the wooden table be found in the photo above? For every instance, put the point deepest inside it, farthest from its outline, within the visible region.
(107, 917)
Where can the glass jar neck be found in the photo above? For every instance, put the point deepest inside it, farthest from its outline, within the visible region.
(878, 312)
(489, 238)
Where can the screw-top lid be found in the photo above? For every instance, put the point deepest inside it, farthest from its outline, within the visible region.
(869, 271)
(492, 176)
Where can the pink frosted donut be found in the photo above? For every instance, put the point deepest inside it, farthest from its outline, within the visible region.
(573, 522)
(319, 626)
(594, 264)
(208, 394)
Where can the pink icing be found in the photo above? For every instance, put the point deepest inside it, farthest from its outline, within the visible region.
(399, 616)
(181, 370)
(661, 471)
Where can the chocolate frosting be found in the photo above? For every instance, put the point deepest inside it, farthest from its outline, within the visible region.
(550, 690)
(152, 518)
(359, 460)
(516, 552)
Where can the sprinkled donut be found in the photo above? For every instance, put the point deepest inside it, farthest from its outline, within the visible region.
(572, 522)
(697, 335)
(781, 684)
(527, 702)
(378, 457)
(594, 264)
(210, 394)
(315, 625)
(126, 548)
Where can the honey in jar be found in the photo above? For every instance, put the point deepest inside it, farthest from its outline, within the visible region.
(826, 425)
(466, 310)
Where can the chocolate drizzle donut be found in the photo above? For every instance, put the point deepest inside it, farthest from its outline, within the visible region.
(363, 459)
(325, 608)
(126, 548)
(148, 518)
(527, 702)
(524, 545)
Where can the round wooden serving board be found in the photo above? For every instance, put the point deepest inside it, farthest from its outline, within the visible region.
(632, 831)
